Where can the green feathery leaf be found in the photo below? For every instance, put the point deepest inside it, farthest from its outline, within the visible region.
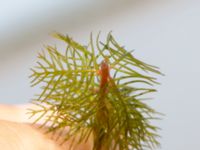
(96, 91)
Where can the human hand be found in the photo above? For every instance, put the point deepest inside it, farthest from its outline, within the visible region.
(17, 132)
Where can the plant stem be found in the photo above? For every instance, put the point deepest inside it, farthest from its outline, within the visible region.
(102, 115)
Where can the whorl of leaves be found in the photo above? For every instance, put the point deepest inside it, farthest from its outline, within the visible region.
(70, 95)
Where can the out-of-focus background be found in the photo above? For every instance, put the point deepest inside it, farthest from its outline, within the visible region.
(163, 33)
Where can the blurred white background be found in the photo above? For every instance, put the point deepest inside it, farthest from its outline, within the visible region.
(163, 33)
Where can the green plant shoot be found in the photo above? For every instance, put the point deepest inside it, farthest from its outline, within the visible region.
(96, 90)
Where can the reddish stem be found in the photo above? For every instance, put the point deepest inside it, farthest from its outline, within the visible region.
(104, 73)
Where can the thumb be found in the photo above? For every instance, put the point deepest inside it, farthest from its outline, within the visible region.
(17, 136)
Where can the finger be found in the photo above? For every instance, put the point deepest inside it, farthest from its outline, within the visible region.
(18, 114)
(11, 113)
(17, 136)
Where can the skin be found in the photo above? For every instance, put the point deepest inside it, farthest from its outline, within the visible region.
(17, 132)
